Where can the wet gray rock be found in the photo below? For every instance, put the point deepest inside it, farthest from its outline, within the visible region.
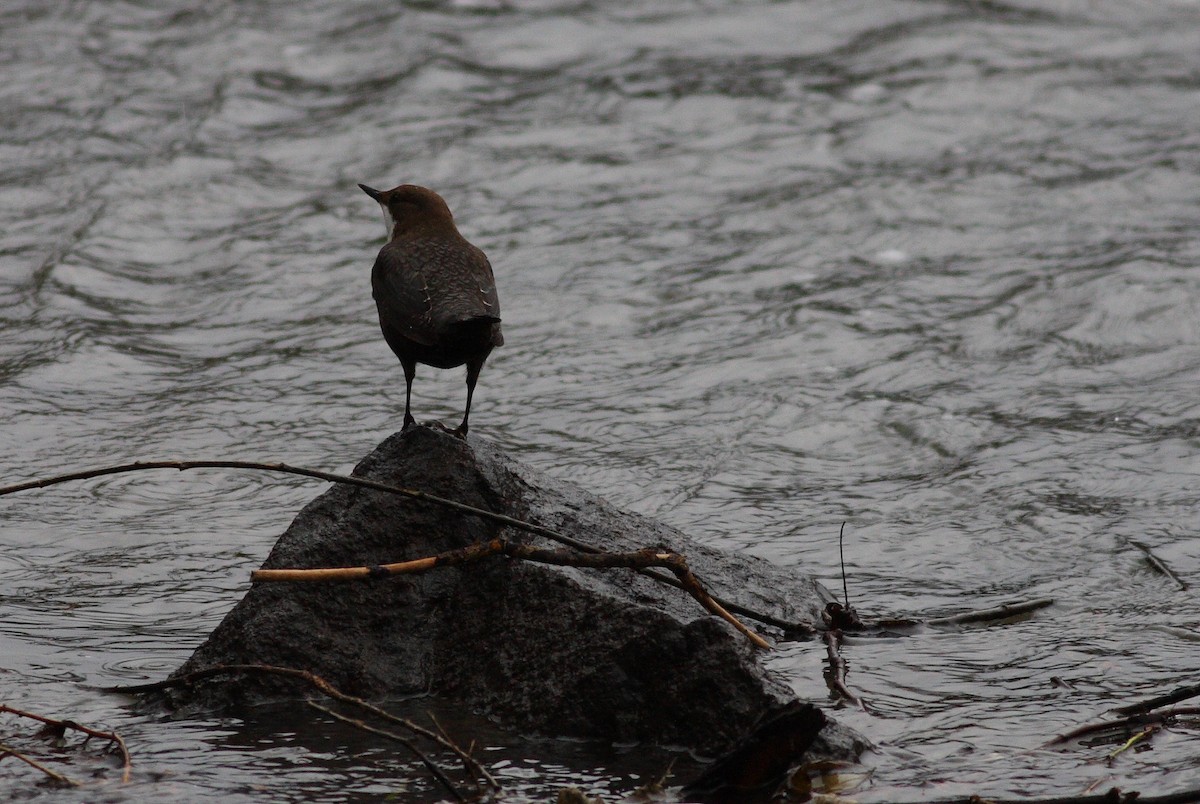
(605, 654)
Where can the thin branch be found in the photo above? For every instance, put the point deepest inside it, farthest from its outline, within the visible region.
(999, 613)
(639, 559)
(9, 751)
(466, 752)
(283, 468)
(1126, 725)
(790, 628)
(1141, 736)
(1180, 694)
(835, 674)
(803, 628)
(1158, 565)
(842, 559)
(112, 737)
(429, 764)
(187, 679)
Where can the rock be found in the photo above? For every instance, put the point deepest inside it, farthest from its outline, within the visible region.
(602, 654)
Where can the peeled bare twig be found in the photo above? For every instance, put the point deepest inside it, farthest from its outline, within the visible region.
(324, 687)
(639, 559)
(65, 781)
(1140, 737)
(802, 628)
(62, 725)
(429, 764)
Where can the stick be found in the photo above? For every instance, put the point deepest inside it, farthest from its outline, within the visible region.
(1126, 725)
(1158, 565)
(1181, 694)
(842, 559)
(470, 748)
(66, 781)
(835, 675)
(539, 530)
(429, 764)
(636, 560)
(323, 686)
(675, 562)
(450, 558)
(1134, 740)
(284, 468)
(999, 613)
(62, 725)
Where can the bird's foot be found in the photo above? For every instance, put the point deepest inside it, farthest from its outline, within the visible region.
(461, 430)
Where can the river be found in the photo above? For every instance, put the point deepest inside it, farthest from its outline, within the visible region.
(926, 268)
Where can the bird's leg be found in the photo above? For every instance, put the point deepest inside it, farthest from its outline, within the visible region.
(473, 369)
(410, 371)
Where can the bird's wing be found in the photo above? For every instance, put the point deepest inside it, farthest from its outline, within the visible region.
(487, 285)
(490, 301)
(399, 283)
(426, 287)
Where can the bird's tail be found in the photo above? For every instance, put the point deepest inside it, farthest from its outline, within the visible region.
(480, 326)
(478, 321)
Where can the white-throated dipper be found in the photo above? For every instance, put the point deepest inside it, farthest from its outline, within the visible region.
(435, 291)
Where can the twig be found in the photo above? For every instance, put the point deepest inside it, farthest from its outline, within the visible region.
(469, 749)
(999, 613)
(1134, 740)
(283, 468)
(429, 764)
(1180, 694)
(675, 562)
(1158, 565)
(9, 751)
(1125, 725)
(62, 725)
(835, 674)
(842, 559)
(323, 686)
(636, 560)
(501, 519)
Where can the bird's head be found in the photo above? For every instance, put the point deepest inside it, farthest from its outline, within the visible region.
(409, 209)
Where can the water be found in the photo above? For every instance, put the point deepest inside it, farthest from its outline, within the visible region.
(928, 268)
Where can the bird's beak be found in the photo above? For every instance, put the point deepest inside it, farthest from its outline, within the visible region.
(372, 192)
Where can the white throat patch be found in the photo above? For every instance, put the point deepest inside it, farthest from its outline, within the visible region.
(388, 223)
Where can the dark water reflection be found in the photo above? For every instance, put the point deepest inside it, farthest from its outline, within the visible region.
(925, 267)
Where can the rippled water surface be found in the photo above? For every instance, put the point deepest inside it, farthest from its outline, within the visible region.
(929, 268)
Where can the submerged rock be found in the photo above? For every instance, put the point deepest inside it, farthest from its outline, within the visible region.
(603, 654)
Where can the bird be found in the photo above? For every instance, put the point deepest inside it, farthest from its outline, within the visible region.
(434, 291)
